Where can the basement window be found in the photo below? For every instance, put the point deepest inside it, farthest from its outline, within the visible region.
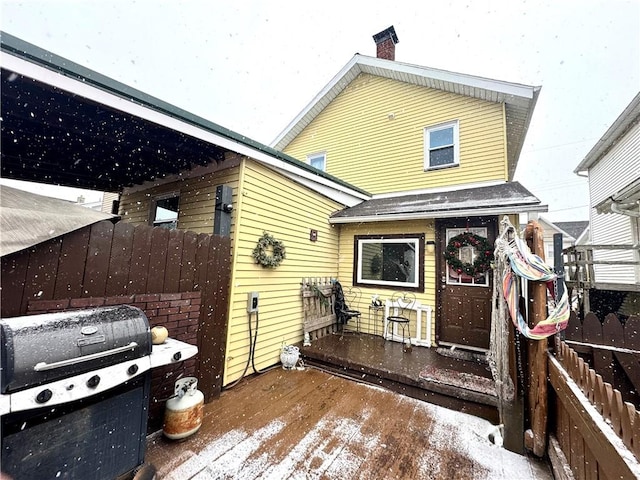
(165, 211)
(392, 261)
(442, 146)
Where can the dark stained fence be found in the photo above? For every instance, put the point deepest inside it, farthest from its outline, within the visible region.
(611, 331)
(611, 347)
(106, 260)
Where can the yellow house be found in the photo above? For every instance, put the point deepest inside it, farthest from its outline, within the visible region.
(437, 150)
(368, 184)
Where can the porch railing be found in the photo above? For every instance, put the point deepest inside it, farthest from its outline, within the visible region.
(579, 261)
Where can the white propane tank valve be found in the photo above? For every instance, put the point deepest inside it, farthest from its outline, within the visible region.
(183, 412)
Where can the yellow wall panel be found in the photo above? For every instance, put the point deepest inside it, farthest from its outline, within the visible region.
(197, 200)
(288, 211)
(373, 135)
(345, 269)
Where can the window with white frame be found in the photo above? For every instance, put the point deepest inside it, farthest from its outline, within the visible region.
(395, 261)
(441, 146)
(317, 160)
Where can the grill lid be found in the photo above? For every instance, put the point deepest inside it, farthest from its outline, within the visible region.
(38, 349)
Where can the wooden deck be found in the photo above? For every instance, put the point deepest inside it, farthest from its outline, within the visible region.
(453, 381)
(311, 424)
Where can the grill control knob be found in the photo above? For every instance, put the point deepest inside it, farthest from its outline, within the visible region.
(133, 369)
(177, 356)
(93, 381)
(44, 396)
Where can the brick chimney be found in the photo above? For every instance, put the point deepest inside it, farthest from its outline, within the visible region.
(386, 43)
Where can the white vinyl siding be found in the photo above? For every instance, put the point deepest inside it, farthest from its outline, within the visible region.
(617, 169)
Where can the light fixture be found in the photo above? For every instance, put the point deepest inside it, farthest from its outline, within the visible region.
(431, 246)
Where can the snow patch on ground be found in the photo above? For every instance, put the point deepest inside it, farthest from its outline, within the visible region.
(322, 452)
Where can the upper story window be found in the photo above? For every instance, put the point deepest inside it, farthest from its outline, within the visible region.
(442, 146)
(317, 160)
(164, 211)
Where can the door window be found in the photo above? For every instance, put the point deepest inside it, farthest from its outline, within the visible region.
(466, 254)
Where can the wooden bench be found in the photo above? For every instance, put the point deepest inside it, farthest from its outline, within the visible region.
(318, 300)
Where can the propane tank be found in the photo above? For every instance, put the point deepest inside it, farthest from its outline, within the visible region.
(183, 412)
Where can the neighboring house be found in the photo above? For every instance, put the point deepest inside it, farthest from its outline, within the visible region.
(438, 151)
(613, 169)
(573, 233)
(395, 158)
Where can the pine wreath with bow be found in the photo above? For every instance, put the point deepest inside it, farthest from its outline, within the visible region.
(483, 259)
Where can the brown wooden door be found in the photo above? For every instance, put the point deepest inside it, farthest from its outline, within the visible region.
(463, 302)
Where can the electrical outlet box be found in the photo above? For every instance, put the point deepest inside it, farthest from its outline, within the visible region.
(252, 302)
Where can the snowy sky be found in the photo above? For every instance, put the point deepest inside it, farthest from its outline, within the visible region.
(252, 65)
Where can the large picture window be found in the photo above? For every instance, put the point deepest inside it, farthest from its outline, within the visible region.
(393, 261)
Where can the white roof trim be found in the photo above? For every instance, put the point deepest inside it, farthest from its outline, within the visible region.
(337, 195)
(624, 202)
(499, 86)
(619, 128)
(441, 214)
(104, 97)
(473, 86)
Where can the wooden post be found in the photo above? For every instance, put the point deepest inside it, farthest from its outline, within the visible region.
(535, 438)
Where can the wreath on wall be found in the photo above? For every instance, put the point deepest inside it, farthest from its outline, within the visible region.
(483, 260)
(261, 254)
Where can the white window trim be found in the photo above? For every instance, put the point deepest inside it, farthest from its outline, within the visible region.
(416, 241)
(456, 144)
(319, 154)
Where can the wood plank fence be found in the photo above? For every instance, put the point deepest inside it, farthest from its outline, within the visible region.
(611, 347)
(611, 331)
(107, 260)
(596, 433)
(318, 306)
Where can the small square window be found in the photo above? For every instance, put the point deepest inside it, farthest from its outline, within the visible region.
(317, 160)
(442, 146)
(165, 211)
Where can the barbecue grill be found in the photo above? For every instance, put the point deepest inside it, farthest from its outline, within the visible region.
(74, 392)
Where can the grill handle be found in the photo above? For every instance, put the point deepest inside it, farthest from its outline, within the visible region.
(42, 366)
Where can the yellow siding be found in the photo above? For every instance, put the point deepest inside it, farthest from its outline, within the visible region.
(288, 211)
(345, 269)
(197, 200)
(368, 149)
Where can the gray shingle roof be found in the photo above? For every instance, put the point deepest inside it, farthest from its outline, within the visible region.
(508, 197)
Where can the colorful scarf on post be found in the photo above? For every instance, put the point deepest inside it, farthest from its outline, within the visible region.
(527, 265)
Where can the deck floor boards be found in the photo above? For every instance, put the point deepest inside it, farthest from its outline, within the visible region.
(312, 424)
(371, 359)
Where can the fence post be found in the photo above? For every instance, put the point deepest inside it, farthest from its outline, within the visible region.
(535, 437)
